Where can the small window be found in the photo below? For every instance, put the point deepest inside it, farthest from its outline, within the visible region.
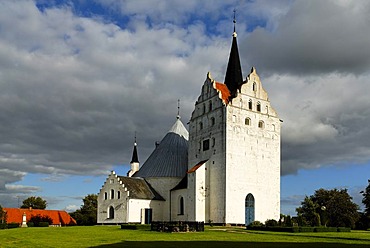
(259, 107)
(250, 104)
(105, 195)
(247, 121)
(111, 181)
(181, 205)
(204, 108)
(112, 194)
(234, 118)
(200, 125)
(213, 121)
(210, 106)
(118, 194)
(213, 142)
(206, 145)
(254, 87)
(261, 124)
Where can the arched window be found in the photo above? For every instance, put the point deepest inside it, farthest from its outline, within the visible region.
(213, 142)
(249, 209)
(259, 107)
(261, 124)
(204, 108)
(181, 205)
(112, 194)
(105, 195)
(118, 194)
(247, 121)
(213, 121)
(200, 125)
(111, 213)
(210, 106)
(250, 104)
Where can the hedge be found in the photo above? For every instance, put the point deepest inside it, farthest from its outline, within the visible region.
(299, 229)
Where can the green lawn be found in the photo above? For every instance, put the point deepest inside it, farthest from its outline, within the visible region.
(113, 236)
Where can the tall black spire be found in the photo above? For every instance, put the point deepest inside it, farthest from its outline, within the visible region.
(135, 158)
(234, 77)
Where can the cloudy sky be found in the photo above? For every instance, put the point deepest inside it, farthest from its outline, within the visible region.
(79, 78)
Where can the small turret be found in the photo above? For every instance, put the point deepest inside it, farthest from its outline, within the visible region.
(135, 164)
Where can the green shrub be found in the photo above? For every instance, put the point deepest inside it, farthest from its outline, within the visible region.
(344, 229)
(37, 219)
(128, 227)
(30, 224)
(306, 229)
(44, 224)
(2, 225)
(325, 229)
(271, 223)
(12, 225)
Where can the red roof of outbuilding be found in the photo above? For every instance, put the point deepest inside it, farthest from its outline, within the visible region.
(59, 217)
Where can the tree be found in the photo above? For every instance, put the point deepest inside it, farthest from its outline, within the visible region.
(366, 199)
(366, 202)
(34, 202)
(87, 214)
(2, 215)
(329, 207)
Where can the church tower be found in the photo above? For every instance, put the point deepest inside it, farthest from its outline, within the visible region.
(234, 150)
(134, 161)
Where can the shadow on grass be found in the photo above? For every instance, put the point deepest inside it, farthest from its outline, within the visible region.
(221, 244)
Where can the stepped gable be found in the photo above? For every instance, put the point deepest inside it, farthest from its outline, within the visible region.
(170, 158)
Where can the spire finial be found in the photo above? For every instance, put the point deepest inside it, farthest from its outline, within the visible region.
(135, 140)
(234, 21)
(178, 109)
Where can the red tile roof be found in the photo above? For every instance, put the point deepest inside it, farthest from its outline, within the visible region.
(59, 217)
(223, 91)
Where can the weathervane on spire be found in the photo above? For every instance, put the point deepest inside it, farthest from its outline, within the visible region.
(234, 21)
(178, 109)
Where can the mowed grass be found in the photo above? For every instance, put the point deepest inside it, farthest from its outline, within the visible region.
(113, 236)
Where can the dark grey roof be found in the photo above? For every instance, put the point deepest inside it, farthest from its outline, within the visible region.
(170, 158)
(139, 188)
(183, 184)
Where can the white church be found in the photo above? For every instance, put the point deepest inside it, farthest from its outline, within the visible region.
(224, 170)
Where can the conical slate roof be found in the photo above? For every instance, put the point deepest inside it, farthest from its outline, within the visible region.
(170, 158)
(234, 77)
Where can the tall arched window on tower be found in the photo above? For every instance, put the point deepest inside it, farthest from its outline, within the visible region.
(258, 106)
(111, 213)
(213, 121)
(112, 194)
(210, 105)
(249, 209)
(254, 87)
(250, 104)
(181, 206)
(105, 195)
(200, 125)
(204, 108)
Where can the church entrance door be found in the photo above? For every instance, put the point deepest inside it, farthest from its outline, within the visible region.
(249, 209)
(148, 215)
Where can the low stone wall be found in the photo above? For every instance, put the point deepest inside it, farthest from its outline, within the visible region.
(177, 226)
